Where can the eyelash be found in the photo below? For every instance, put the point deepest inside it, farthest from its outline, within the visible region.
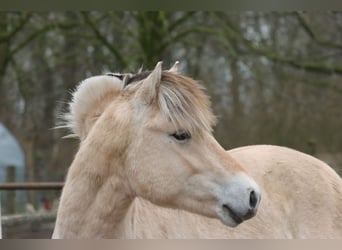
(181, 136)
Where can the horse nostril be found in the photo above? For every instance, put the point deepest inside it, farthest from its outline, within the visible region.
(253, 199)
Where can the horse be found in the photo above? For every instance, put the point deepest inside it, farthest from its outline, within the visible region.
(148, 166)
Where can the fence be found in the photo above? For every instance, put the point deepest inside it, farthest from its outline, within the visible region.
(10, 186)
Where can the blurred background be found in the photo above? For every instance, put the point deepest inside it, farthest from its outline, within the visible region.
(273, 78)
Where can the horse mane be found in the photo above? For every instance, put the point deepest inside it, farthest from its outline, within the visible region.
(87, 94)
(183, 102)
(180, 99)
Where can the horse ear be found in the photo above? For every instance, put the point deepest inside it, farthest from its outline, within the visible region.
(150, 86)
(140, 69)
(174, 68)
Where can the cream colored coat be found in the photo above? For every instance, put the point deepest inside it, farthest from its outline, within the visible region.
(148, 166)
(301, 198)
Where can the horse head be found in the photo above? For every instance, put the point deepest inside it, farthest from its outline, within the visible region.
(159, 124)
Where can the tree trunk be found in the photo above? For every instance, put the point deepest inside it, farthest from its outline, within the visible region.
(236, 119)
(4, 49)
(28, 146)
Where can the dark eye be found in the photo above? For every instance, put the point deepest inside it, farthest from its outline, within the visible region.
(181, 136)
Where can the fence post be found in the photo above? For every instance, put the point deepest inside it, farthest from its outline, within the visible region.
(10, 197)
(0, 218)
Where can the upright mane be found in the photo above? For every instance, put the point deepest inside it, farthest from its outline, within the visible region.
(83, 108)
(181, 99)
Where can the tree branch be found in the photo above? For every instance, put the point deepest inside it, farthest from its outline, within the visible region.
(181, 20)
(103, 39)
(317, 67)
(200, 30)
(125, 28)
(35, 34)
(303, 20)
(7, 36)
(29, 39)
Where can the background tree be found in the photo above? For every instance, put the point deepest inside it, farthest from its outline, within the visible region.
(273, 77)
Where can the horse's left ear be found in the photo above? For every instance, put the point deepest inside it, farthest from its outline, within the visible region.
(150, 86)
(174, 68)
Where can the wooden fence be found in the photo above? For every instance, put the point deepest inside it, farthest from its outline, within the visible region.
(31, 186)
(11, 186)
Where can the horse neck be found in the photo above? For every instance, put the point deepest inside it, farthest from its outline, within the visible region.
(94, 199)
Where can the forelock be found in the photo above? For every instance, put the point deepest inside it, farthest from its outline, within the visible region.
(183, 102)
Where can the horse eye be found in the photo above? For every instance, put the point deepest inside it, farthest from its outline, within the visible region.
(181, 136)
